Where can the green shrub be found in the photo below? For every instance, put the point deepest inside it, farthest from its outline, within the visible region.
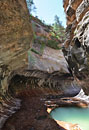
(53, 44)
(35, 51)
(42, 47)
(31, 59)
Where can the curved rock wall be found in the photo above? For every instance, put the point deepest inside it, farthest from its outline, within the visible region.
(56, 83)
(77, 42)
(15, 37)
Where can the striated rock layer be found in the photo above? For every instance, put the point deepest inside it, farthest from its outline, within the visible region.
(48, 59)
(77, 41)
(15, 38)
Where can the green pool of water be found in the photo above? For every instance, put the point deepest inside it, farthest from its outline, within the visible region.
(72, 115)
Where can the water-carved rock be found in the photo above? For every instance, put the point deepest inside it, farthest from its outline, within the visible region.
(77, 33)
(15, 38)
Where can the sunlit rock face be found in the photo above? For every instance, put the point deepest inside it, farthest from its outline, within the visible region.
(48, 59)
(39, 28)
(15, 37)
(77, 42)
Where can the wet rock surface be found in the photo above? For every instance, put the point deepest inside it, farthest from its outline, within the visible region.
(34, 86)
(28, 85)
(7, 108)
(69, 125)
(59, 82)
(80, 100)
(32, 115)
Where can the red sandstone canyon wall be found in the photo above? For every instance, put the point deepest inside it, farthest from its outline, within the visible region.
(15, 36)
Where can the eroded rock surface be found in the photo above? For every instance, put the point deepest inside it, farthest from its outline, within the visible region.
(77, 43)
(48, 59)
(15, 38)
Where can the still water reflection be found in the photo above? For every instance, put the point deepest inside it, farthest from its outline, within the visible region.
(72, 115)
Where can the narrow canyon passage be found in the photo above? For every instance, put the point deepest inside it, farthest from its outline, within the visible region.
(42, 65)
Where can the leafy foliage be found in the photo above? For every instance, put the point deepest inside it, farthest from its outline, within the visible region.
(31, 58)
(58, 31)
(42, 47)
(35, 51)
(31, 5)
(53, 44)
(51, 36)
